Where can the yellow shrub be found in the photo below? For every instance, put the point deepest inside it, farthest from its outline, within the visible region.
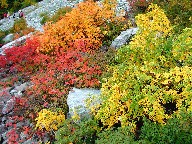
(49, 120)
(152, 25)
(147, 82)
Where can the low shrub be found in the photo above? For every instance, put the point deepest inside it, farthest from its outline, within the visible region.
(147, 82)
(83, 23)
(112, 136)
(77, 133)
(60, 13)
(49, 120)
(177, 130)
(20, 28)
(178, 12)
(45, 18)
(3, 34)
(22, 58)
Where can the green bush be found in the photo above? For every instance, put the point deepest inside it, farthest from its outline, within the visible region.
(14, 6)
(176, 131)
(178, 12)
(61, 12)
(20, 28)
(119, 136)
(114, 30)
(77, 133)
(2, 35)
(45, 18)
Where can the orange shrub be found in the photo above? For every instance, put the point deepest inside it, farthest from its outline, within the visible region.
(83, 23)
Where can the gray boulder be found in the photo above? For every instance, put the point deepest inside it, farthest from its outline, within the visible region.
(22, 87)
(76, 100)
(8, 38)
(123, 38)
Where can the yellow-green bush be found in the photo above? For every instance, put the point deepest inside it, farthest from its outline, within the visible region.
(49, 120)
(182, 47)
(152, 25)
(178, 12)
(148, 80)
(20, 28)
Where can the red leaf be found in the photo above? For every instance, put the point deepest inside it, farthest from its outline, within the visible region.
(45, 104)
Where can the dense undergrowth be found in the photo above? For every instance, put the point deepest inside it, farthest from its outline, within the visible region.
(146, 86)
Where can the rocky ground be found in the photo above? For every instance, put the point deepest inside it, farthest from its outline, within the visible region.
(8, 96)
(32, 13)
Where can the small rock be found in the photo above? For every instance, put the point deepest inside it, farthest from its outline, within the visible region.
(4, 135)
(13, 92)
(19, 94)
(5, 142)
(29, 141)
(123, 38)
(8, 38)
(4, 119)
(20, 124)
(23, 136)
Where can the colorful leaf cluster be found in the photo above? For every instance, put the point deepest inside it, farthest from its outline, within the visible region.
(49, 120)
(179, 13)
(150, 80)
(83, 23)
(151, 25)
(22, 58)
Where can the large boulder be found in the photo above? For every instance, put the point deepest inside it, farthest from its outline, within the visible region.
(124, 38)
(76, 100)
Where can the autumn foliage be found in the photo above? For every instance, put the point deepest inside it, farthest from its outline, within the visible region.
(52, 75)
(152, 78)
(148, 80)
(83, 23)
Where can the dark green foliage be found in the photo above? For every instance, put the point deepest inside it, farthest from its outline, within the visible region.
(45, 18)
(119, 136)
(61, 12)
(19, 24)
(178, 12)
(114, 30)
(77, 133)
(176, 131)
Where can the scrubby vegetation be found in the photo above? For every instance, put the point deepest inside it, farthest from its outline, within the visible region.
(56, 17)
(146, 86)
(14, 6)
(19, 29)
